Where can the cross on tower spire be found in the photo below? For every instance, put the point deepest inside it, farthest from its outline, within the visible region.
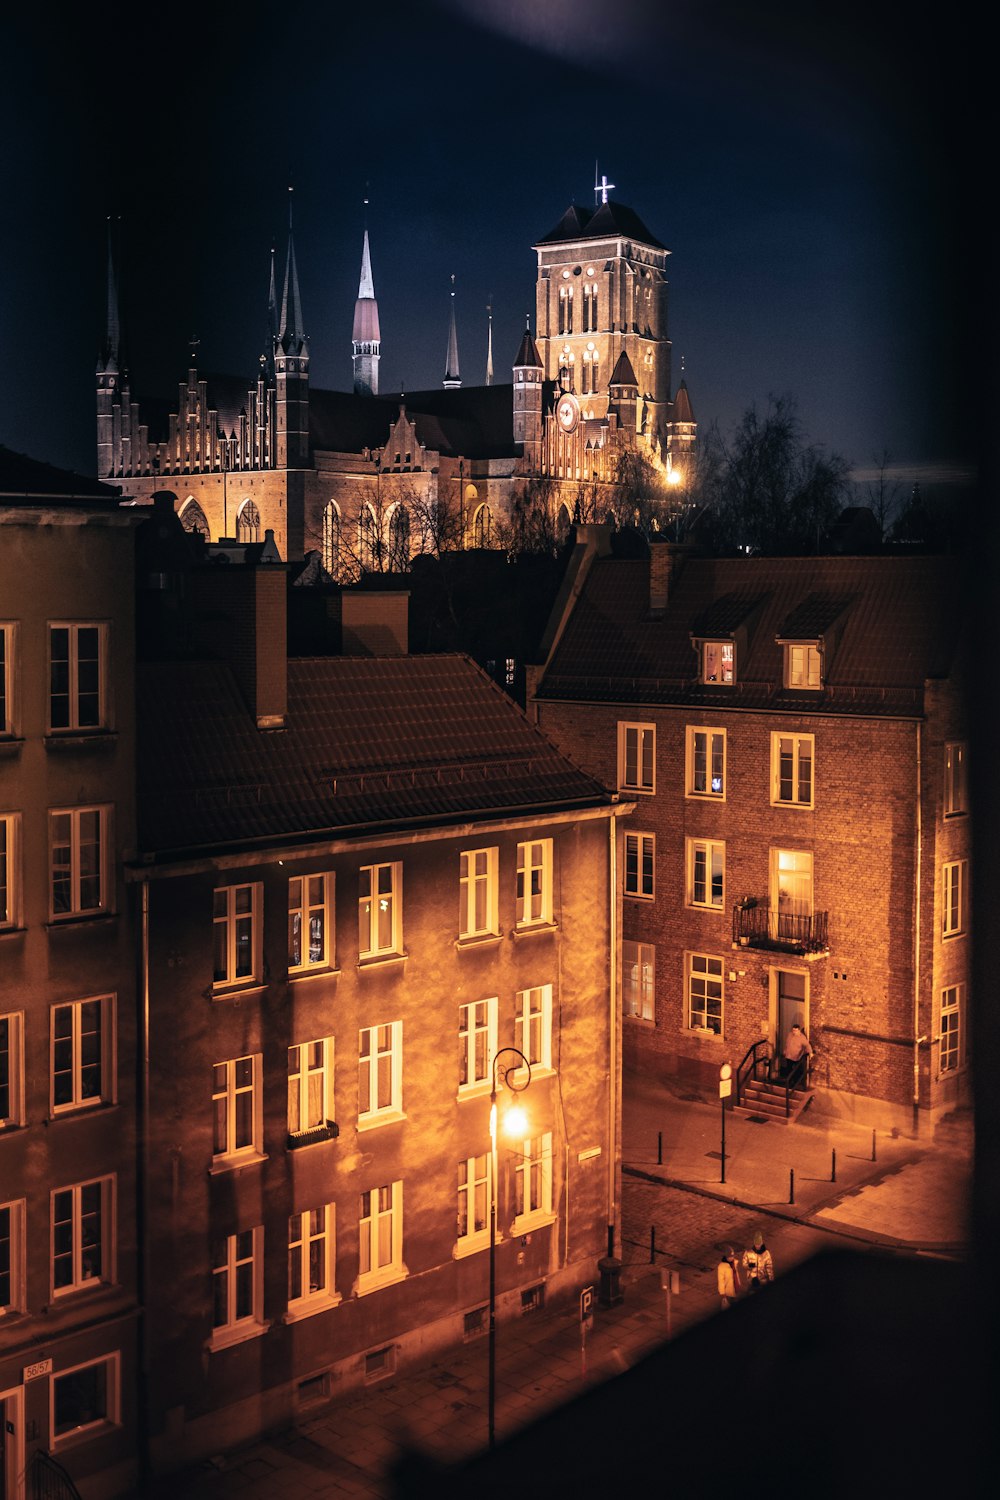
(601, 188)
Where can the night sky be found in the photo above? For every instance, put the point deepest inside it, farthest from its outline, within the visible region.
(813, 177)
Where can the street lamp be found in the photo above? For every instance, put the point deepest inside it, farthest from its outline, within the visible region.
(515, 1121)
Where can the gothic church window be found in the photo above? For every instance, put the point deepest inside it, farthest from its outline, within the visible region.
(399, 539)
(331, 539)
(193, 518)
(368, 540)
(248, 523)
(482, 527)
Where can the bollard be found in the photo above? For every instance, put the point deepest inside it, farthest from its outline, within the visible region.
(659, 1148)
(833, 1165)
(652, 1244)
(791, 1184)
(873, 1145)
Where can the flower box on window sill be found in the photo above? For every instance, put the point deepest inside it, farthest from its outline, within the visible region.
(327, 1132)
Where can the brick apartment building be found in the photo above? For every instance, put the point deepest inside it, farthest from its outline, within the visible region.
(794, 734)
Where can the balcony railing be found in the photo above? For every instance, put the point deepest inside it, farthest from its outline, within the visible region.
(758, 925)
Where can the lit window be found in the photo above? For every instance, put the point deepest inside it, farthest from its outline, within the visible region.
(248, 523)
(311, 1261)
(706, 864)
(705, 993)
(533, 1025)
(950, 1058)
(82, 1052)
(85, 1401)
(639, 864)
(636, 754)
(310, 1086)
(78, 845)
(706, 762)
(11, 1069)
(792, 757)
(380, 923)
(534, 1185)
(718, 662)
(331, 539)
(473, 1205)
(953, 920)
(477, 1043)
(12, 1278)
(803, 666)
(791, 884)
(238, 1287)
(380, 1074)
(638, 979)
(82, 1229)
(478, 909)
(77, 677)
(10, 870)
(236, 1111)
(310, 926)
(236, 909)
(955, 787)
(380, 1248)
(8, 635)
(534, 882)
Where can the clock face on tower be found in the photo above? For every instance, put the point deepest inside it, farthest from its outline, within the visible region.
(568, 412)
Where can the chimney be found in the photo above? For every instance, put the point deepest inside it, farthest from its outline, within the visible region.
(665, 562)
(374, 622)
(242, 619)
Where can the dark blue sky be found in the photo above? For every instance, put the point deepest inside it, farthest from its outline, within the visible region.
(813, 178)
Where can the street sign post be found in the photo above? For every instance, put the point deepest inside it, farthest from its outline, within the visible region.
(586, 1323)
(725, 1089)
(670, 1281)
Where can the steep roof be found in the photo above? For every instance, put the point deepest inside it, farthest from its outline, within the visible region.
(370, 743)
(475, 421)
(623, 373)
(683, 410)
(608, 221)
(29, 479)
(898, 622)
(527, 354)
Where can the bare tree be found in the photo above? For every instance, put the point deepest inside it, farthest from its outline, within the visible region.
(884, 494)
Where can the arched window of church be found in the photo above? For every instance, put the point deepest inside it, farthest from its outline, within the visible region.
(331, 539)
(562, 309)
(563, 522)
(248, 523)
(399, 539)
(569, 309)
(368, 540)
(193, 518)
(482, 527)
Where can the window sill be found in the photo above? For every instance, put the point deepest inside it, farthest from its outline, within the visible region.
(81, 919)
(85, 1434)
(11, 932)
(478, 1090)
(225, 1338)
(638, 896)
(528, 929)
(380, 960)
(473, 1245)
(715, 911)
(81, 739)
(315, 971)
(639, 1020)
(224, 1164)
(528, 1223)
(374, 1281)
(7, 1127)
(384, 1117)
(538, 1072)
(295, 1313)
(328, 1132)
(793, 806)
(238, 990)
(705, 796)
(75, 1111)
(478, 939)
(637, 791)
(10, 744)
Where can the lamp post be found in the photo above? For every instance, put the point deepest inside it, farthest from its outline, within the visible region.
(516, 1088)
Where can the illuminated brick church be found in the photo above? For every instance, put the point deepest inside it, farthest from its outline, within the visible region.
(370, 480)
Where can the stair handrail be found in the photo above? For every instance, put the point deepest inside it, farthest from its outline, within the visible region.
(758, 1052)
(49, 1480)
(797, 1073)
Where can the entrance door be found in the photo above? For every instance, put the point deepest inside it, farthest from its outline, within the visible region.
(792, 1007)
(11, 1445)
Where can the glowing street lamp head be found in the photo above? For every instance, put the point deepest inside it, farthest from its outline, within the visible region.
(515, 1122)
(674, 476)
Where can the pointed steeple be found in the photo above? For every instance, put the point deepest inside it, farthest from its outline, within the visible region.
(489, 345)
(112, 330)
(291, 334)
(366, 337)
(452, 378)
(272, 303)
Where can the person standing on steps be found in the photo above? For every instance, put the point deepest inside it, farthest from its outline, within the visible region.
(758, 1264)
(728, 1276)
(796, 1047)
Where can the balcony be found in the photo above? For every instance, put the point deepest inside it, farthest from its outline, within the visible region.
(757, 925)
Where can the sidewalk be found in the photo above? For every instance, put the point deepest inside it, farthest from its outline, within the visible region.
(911, 1199)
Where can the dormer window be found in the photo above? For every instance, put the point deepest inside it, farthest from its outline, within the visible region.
(803, 665)
(718, 661)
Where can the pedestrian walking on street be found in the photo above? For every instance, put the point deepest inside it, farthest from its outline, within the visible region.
(758, 1263)
(728, 1276)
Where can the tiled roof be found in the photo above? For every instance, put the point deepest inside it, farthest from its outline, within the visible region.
(609, 220)
(474, 421)
(902, 626)
(369, 743)
(814, 615)
(26, 479)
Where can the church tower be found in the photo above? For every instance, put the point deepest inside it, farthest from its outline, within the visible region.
(366, 337)
(291, 369)
(107, 374)
(528, 402)
(452, 378)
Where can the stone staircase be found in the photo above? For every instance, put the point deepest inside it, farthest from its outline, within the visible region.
(766, 1100)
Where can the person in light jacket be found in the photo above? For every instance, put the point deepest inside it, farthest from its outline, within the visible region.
(728, 1276)
(758, 1264)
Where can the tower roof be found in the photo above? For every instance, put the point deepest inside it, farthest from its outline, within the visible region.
(623, 373)
(112, 328)
(606, 221)
(451, 371)
(291, 333)
(527, 354)
(366, 324)
(683, 411)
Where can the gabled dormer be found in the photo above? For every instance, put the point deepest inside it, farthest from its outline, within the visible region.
(808, 639)
(721, 637)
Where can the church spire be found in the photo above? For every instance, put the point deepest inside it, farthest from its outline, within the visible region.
(452, 378)
(489, 343)
(112, 330)
(291, 334)
(366, 338)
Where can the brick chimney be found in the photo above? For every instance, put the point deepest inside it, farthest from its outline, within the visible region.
(665, 562)
(374, 622)
(241, 617)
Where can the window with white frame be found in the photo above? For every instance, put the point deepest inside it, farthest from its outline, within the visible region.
(638, 979)
(8, 636)
(533, 1025)
(78, 676)
(718, 662)
(10, 870)
(706, 762)
(706, 868)
(380, 1226)
(310, 1085)
(952, 1040)
(953, 912)
(11, 1069)
(478, 899)
(82, 1053)
(477, 1043)
(704, 993)
(310, 922)
(83, 1223)
(380, 924)
(238, 1287)
(534, 882)
(237, 1111)
(85, 1401)
(792, 757)
(236, 923)
(955, 786)
(12, 1273)
(78, 861)
(791, 883)
(533, 1188)
(380, 1073)
(640, 849)
(311, 1261)
(637, 757)
(803, 665)
(473, 1205)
